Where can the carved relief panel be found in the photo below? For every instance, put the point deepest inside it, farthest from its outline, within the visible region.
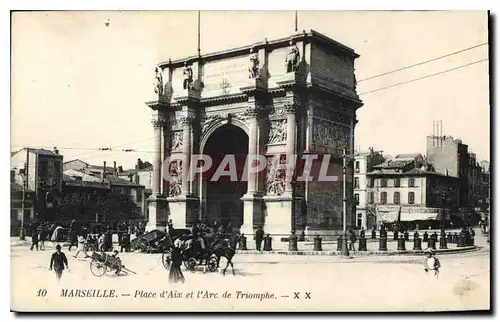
(175, 184)
(275, 178)
(331, 135)
(277, 132)
(176, 141)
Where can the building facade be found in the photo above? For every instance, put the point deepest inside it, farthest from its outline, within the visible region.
(363, 164)
(43, 171)
(450, 157)
(408, 183)
(18, 196)
(274, 98)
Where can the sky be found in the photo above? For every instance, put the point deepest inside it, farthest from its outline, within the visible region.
(81, 85)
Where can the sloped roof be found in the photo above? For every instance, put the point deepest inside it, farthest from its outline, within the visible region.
(121, 182)
(85, 177)
(37, 151)
(75, 160)
(408, 156)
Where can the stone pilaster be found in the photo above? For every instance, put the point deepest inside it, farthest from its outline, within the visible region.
(186, 123)
(291, 140)
(158, 123)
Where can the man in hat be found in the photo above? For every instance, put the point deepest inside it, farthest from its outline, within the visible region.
(58, 261)
(432, 263)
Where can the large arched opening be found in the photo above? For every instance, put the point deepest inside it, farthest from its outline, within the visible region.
(222, 196)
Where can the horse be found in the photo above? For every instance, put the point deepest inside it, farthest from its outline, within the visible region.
(227, 249)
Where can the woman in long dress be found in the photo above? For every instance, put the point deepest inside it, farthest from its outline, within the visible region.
(175, 274)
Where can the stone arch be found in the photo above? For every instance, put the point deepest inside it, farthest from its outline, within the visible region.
(205, 135)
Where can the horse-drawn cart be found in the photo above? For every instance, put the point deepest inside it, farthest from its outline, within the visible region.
(103, 263)
(157, 241)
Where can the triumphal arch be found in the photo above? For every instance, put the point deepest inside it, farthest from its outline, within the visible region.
(291, 96)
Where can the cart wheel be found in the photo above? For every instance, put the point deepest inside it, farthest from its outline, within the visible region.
(166, 259)
(143, 245)
(212, 264)
(190, 264)
(97, 268)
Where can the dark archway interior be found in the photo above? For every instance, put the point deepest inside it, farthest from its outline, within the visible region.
(223, 196)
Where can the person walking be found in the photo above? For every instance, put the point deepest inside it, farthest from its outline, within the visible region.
(259, 237)
(43, 236)
(352, 240)
(34, 238)
(80, 247)
(58, 261)
(175, 274)
(73, 239)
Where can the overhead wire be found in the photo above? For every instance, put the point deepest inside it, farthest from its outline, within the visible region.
(421, 63)
(423, 77)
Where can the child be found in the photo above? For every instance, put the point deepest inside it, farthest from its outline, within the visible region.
(432, 263)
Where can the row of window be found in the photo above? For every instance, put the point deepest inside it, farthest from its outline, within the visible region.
(396, 182)
(396, 198)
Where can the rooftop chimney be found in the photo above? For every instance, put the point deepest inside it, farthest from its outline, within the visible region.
(56, 151)
(115, 173)
(103, 175)
(136, 175)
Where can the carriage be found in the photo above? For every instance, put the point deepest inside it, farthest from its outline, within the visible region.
(157, 240)
(191, 257)
(103, 263)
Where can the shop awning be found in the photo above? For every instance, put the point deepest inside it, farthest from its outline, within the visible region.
(413, 216)
(389, 217)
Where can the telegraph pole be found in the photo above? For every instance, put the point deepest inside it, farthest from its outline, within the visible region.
(23, 175)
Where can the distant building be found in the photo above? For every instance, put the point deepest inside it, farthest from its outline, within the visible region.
(408, 182)
(450, 157)
(42, 176)
(16, 204)
(363, 164)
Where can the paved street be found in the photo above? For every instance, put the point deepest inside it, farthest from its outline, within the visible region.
(374, 283)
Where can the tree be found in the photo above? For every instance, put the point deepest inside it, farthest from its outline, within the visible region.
(116, 206)
(109, 206)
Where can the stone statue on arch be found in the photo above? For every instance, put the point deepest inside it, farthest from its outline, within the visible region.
(158, 85)
(293, 58)
(187, 72)
(253, 68)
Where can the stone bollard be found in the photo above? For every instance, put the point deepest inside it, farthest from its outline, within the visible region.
(435, 237)
(449, 238)
(454, 238)
(442, 242)
(407, 236)
(431, 243)
(317, 244)
(426, 237)
(382, 244)
(268, 243)
(243, 242)
(374, 234)
(339, 243)
(292, 242)
(395, 236)
(401, 243)
(461, 240)
(362, 243)
(417, 243)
